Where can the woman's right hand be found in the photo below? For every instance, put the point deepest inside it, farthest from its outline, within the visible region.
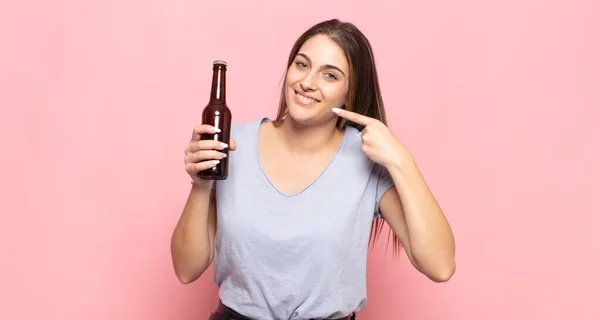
(204, 154)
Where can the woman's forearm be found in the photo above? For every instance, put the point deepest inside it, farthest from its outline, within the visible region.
(190, 242)
(430, 236)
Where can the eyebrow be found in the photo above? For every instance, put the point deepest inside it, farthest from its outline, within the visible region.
(327, 66)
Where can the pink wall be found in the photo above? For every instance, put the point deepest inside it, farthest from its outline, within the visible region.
(497, 100)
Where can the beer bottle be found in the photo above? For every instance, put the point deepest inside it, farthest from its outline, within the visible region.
(217, 114)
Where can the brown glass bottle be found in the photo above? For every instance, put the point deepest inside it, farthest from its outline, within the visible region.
(217, 114)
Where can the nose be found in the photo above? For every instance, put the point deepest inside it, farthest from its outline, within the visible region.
(309, 83)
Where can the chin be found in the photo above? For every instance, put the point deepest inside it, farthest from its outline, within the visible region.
(307, 114)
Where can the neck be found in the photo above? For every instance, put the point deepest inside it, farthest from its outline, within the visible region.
(308, 139)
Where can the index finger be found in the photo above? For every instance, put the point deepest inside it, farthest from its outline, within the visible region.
(202, 129)
(353, 116)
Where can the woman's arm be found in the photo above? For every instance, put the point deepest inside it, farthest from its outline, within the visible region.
(414, 215)
(409, 207)
(193, 239)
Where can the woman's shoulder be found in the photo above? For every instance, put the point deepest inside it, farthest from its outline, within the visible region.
(352, 138)
(350, 152)
(246, 129)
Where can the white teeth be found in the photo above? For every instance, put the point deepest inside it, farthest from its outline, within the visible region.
(305, 99)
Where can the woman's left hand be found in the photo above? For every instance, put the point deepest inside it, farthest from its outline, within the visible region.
(378, 142)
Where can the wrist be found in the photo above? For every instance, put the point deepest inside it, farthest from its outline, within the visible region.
(201, 185)
(404, 161)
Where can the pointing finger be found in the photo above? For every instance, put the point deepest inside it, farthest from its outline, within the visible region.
(353, 116)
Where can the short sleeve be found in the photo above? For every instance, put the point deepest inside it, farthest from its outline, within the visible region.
(384, 183)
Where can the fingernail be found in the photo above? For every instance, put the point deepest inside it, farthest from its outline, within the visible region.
(215, 161)
(223, 155)
(224, 145)
(215, 129)
(336, 110)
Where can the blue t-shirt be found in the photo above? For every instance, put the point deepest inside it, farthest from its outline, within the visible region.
(301, 256)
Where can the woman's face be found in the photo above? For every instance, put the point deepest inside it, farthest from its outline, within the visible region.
(317, 81)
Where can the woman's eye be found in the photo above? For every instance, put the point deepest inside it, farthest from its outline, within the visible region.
(331, 76)
(301, 64)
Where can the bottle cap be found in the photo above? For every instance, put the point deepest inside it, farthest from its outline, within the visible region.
(221, 62)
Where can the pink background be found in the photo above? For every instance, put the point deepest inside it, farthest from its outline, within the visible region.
(497, 100)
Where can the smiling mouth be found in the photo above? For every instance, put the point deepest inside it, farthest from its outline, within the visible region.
(304, 99)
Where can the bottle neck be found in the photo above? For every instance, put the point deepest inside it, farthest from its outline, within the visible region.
(217, 92)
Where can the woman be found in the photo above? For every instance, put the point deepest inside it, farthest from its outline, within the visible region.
(288, 231)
